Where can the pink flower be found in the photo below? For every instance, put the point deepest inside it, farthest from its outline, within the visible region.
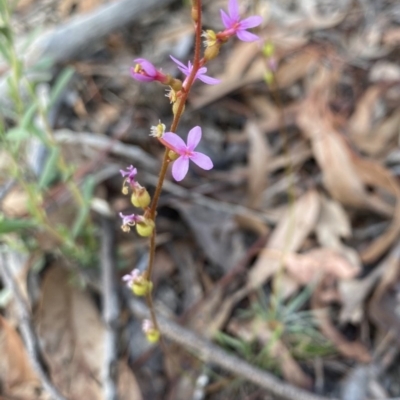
(186, 152)
(131, 278)
(201, 73)
(130, 174)
(145, 71)
(129, 220)
(235, 26)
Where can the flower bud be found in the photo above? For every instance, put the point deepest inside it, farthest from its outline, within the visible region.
(145, 228)
(212, 51)
(176, 105)
(142, 287)
(172, 155)
(268, 49)
(153, 336)
(140, 197)
(151, 332)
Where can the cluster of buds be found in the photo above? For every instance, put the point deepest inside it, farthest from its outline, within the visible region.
(140, 198)
(271, 62)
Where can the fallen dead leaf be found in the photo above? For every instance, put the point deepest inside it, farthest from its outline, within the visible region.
(297, 223)
(72, 335)
(354, 292)
(308, 267)
(333, 225)
(321, 297)
(17, 377)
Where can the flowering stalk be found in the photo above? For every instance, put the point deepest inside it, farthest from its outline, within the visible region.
(176, 150)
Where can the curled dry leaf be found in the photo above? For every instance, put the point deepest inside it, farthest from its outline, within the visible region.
(320, 298)
(353, 292)
(17, 377)
(310, 266)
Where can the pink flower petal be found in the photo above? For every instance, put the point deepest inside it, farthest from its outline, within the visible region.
(233, 8)
(194, 138)
(227, 21)
(202, 160)
(246, 36)
(251, 22)
(181, 66)
(180, 168)
(175, 141)
(148, 67)
(208, 80)
(140, 77)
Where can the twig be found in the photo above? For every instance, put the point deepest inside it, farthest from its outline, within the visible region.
(212, 353)
(110, 310)
(27, 330)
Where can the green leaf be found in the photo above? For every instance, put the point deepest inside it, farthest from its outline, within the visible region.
(26, 120)
(50, 169)
(12, 225)
(17, 134)
(60, 84)
(88, 188)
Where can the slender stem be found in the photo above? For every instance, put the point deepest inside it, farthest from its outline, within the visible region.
(197, 63)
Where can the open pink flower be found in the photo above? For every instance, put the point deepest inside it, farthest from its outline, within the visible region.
(235, 26)
(201, 73)
(186, 152)
(145, 71)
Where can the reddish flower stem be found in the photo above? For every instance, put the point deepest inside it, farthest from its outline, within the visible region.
(197, 64)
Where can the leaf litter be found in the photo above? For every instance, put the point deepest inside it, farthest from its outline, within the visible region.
(302, 193)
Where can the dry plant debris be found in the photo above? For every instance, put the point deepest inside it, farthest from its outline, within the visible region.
(276, 270)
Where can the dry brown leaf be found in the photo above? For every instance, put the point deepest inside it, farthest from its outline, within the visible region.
(383, 307)
(354, 292)
(259, 154)
(310, 266)
(291, 370)
(320, 298)
(17, 377)
(366, 133)
(296, 67)
(346, 175)
(73, 337)
(333, 225)
(361, 122)
(293, 228)
(14, 204)
(375, 175)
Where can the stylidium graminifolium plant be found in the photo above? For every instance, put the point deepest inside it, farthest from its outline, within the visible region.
(177, 151)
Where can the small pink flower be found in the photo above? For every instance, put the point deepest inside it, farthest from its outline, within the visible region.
(129, 220)
(145, 71)
(131, 278)
(235, 26)
(129, 174)
(201, 73)
(186, 152)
